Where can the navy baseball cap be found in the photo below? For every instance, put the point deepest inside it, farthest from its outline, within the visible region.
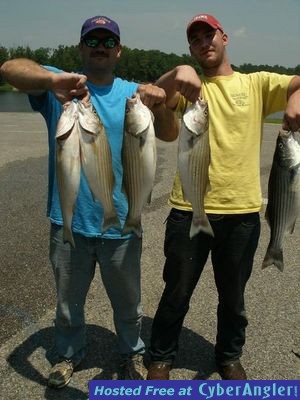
(100, 22)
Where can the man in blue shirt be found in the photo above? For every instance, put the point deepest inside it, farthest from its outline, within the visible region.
(118, 256)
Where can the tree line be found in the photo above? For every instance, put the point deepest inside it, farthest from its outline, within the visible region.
(135, 64)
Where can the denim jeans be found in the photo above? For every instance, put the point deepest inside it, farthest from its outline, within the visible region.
(74, 269)
(232, 252)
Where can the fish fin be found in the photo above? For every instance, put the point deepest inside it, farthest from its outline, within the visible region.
(208, 188)
(149, 197)
(68, 237)
(267, 216)
(200, 224)
(133, 225)
(152, 116)
(93, 195)
(142, 140)
(185, 197)
(109, 221)
(291, 227)
(295, 178)
(273, 256)
(123, 188)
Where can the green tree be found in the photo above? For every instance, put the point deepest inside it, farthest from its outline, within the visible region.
(135, 64)
(297, 70)
(4, 56)
(21, 52)
(42, 55)
(66, 58)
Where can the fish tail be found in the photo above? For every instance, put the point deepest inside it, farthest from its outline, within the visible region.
(68, 237)
(200, 224)
(273, 256)
(133, 225)
(109, 221)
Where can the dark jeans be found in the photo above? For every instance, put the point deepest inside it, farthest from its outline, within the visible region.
(232, 252)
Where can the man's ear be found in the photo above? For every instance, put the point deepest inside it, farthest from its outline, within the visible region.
(191, 51)
(225, 39)
(79, 47)
(119, 50)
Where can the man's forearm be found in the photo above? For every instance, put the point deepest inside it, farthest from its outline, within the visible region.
(291, 118)
(166, 124)
(26, 75)
(293, 86)
(167, 82)
(183, 80)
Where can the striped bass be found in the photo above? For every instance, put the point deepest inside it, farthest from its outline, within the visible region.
(96, 161)
(139, 161)
(68, 165)
(193, 163)
(283, 195)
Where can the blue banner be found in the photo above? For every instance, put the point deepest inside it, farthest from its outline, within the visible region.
(194, 390)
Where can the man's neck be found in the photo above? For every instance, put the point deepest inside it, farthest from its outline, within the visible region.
(224, 69)
(99, 77)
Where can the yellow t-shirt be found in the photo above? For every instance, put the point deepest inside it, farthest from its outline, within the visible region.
(237, 106)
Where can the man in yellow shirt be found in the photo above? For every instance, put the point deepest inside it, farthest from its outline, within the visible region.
(238, 104)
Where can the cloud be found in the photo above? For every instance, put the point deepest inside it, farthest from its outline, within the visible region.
(241, 32)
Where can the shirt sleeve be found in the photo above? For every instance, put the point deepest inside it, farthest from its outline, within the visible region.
(41, 102)
(274, 91)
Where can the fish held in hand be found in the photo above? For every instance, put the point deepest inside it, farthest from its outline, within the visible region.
(283, 206)
(139, 161)
(68, 165)
(193, 163)
(96, 161)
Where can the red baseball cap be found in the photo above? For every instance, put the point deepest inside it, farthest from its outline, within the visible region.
(205, 18)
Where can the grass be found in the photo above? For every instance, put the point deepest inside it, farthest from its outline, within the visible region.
(273, 121)
(5, 87)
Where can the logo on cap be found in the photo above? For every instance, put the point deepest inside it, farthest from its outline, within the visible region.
(100, 21)
(206, 18)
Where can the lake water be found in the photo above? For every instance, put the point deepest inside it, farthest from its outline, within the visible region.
(18, 102)
(14, 102)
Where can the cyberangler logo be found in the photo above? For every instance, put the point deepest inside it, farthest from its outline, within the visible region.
(253, 390)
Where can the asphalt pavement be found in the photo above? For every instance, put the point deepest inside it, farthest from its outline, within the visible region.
(27, 293)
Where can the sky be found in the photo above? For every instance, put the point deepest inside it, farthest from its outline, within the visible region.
(260, 31)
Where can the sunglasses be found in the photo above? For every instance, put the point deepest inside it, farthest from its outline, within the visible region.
(93, 42)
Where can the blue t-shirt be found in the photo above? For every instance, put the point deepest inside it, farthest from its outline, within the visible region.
(109, 102)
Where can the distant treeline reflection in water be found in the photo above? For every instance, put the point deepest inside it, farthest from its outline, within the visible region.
(14, 102)
(18, 102)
